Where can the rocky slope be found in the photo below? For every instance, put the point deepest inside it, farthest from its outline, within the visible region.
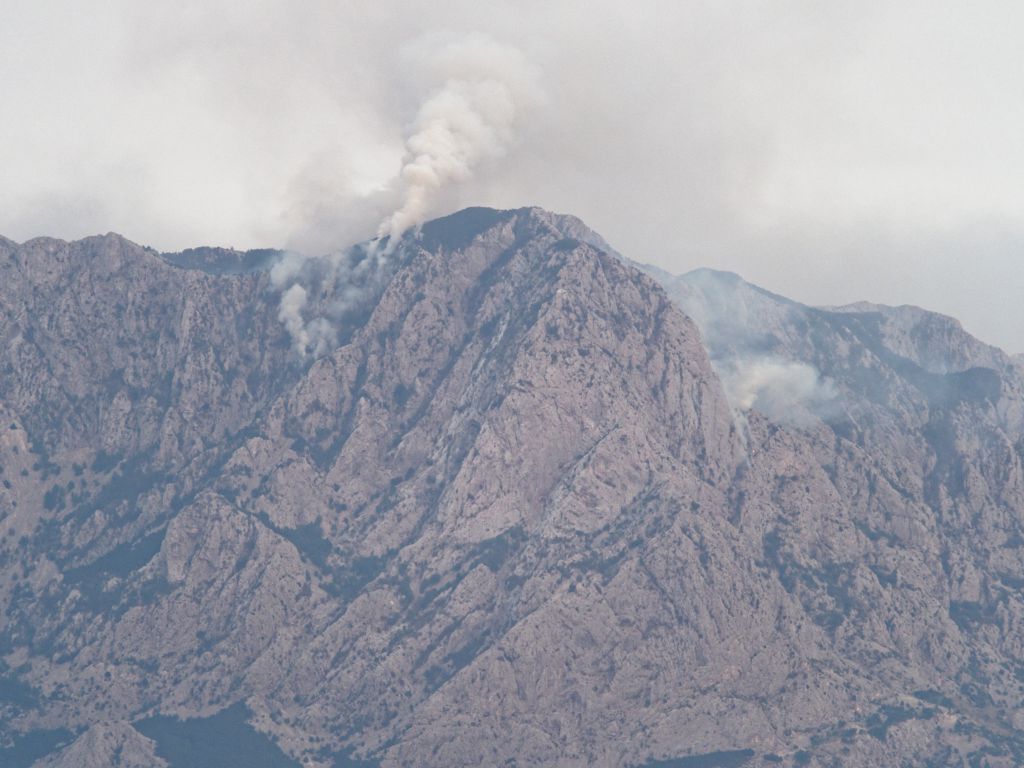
(524, 512)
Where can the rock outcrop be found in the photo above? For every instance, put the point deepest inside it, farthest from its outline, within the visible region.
(526, 512)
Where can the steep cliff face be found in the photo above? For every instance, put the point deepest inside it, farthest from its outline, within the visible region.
(107, 347)
(895, 517)
(524, 513)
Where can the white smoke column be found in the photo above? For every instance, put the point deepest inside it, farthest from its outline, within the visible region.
(470, 119)
(332, 275)
(293, 301)
(477, 89)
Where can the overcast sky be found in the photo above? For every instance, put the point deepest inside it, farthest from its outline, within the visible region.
(829, 151)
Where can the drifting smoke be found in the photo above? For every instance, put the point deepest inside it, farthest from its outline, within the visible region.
(458, 127)
(321, 297)
(476, 89)
(784, 391)
(290, 313)
(736, 322)
(468, 121)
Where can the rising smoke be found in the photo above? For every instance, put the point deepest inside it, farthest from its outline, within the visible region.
(322, 296)
(293, 301)
(474, 90)
(469, 120)
(737, 322)
(785, 391)
(687, 133)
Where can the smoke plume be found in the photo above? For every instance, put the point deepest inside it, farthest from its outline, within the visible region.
(842, 154)
(468, 120)
(321, 297)
(290, 313)
(738, 322)
(472, 91)
(786, 392)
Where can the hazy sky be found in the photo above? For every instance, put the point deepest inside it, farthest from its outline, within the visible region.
(830, 151)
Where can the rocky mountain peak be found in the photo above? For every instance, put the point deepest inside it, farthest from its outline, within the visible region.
(531, 506)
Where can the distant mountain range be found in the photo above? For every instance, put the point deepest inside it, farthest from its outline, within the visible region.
(536, 505)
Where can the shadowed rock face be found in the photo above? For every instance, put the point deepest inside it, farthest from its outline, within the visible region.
(512, 520)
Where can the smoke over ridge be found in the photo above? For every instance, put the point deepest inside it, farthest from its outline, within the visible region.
(466, 121)
(844, 154)
(737, 322)
(469, 120)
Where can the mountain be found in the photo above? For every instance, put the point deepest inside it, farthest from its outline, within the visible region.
(534, 505)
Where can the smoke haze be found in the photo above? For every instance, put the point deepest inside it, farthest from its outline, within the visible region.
(737, 322)
(785, 391)
(832, 152)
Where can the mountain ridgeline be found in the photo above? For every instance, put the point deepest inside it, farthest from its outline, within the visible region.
(539, 506)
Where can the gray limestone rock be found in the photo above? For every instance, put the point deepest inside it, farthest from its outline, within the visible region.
(535, 507)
